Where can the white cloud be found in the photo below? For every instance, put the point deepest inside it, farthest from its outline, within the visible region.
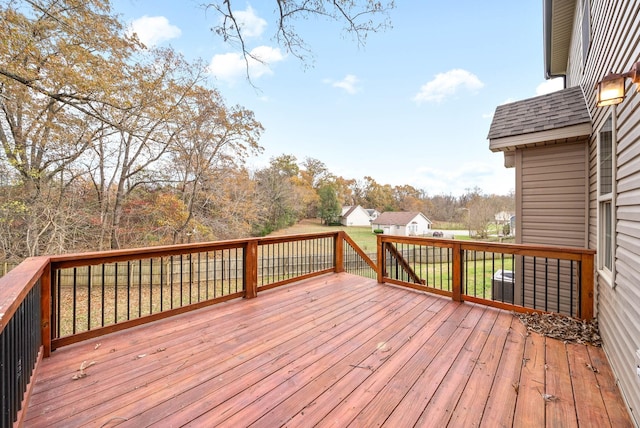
(231, 66)
(153, 30)
(551, 85)
(349, 83)
(250, 24)
(446, 84)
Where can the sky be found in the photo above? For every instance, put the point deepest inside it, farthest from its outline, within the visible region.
(412, 106)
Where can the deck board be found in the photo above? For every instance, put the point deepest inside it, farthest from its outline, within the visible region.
(336, 350)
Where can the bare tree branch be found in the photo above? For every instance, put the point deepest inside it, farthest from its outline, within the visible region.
(359, 18)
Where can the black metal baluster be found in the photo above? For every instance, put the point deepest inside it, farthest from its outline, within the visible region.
(571, 288)
(128, 290)
(89, 299)
(115, 293)
(75, 295)
(102, 295)
(150, 286)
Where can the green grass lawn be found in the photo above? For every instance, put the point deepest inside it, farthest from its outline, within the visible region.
(362, 235)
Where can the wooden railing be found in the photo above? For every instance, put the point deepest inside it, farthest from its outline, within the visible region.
(47, 302)
(23, 315)
(516, 277)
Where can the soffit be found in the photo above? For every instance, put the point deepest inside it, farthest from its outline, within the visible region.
(558, 27)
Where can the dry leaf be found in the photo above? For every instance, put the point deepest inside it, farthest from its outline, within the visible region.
(593, 369)
(562, 327)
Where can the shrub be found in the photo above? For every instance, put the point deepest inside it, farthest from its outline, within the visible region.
(378, 231)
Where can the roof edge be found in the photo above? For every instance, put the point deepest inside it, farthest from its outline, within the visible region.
(547, 23)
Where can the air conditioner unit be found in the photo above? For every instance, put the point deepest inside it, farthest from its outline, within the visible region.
(502, 285)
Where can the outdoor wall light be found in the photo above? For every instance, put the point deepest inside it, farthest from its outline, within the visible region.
(611, 87)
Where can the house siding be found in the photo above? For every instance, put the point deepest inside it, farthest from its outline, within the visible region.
(551, 184)
(552, 187)
(616, 47)
(357, 216)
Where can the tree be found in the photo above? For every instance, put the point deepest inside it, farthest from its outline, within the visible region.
(379, 196)
(481, 213)
(212, 137)
(359, 18)
(330, 208)
(65, 52)
(278, 201)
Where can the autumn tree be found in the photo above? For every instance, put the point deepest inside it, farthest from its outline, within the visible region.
(212, 138)
(330, 208)
(60, 61)
(378, 196)
(279, 205)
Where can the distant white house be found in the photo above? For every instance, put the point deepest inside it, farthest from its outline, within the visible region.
(354, 215)
(373, 213)
(402, 223)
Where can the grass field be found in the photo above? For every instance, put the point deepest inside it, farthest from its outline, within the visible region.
(362, 235)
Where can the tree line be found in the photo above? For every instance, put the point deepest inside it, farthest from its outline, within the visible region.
(109, 144)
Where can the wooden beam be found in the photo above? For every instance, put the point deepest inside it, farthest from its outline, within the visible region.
(456, 286)
(586, 286)
(338, 252)
(250, 270)
(45, 311)
(380, 259)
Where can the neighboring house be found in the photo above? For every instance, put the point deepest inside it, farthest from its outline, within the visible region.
(402, 223)
(373, 213)
(354, 215)
(578, 165)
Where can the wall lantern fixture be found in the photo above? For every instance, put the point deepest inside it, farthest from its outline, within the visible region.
(611, 87)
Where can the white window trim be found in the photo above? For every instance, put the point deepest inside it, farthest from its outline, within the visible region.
(603, 272)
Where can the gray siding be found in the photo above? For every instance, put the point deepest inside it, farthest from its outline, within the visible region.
(616, 47)
(552, 187)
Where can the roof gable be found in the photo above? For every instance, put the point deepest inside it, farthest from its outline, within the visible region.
(400, 218)
(560, 115)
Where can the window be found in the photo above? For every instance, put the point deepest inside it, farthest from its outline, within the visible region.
(606, 202)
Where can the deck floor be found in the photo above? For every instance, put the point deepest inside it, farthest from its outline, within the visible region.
(336, 350)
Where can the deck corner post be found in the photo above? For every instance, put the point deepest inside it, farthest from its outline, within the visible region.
(586, 286)
(46, 290)
(338, 251)
(456, 286)
(380, 259)
(251, 269)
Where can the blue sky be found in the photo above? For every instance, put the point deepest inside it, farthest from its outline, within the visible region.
(413, 106)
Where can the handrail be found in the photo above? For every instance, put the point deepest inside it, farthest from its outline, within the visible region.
(23, 311)
(572, 271)
(17, 283)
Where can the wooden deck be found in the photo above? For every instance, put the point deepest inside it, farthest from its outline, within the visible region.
(336, 350)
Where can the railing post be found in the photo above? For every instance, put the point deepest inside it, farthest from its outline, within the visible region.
(456, 286)
(586, 286)
(380, 259)
(338, 251)
(251, 269)
(45, 310)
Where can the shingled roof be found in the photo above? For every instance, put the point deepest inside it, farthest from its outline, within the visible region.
(400, 218)
(541, 115)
